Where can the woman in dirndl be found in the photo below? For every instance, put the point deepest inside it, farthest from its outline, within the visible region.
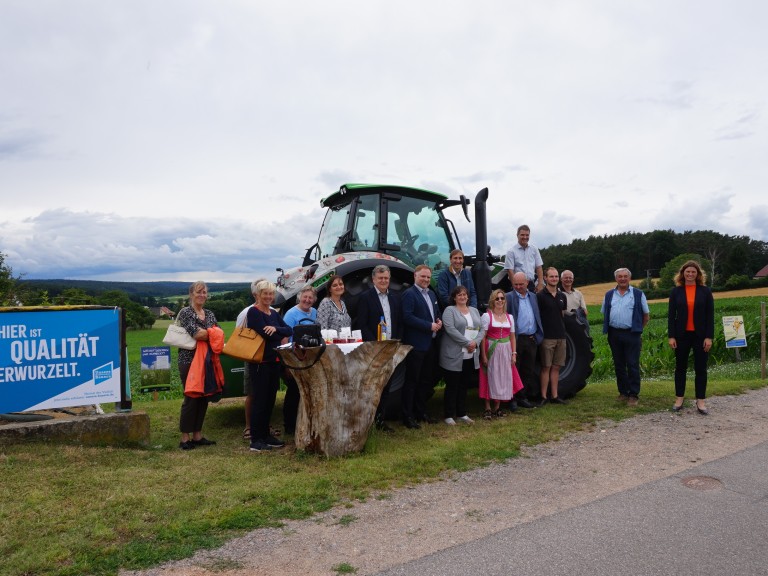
(499, 379)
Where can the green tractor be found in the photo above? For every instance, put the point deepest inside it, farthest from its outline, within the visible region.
(369, 224)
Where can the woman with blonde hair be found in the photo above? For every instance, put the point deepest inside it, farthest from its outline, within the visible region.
(691, 326)
(499, 379)
(265, 376)
(196, 320)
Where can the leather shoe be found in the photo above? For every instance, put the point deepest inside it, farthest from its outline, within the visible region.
(411, 424)
(557, 400)
(523, 403)
(384, 427)
(428, 419)
(203, 442)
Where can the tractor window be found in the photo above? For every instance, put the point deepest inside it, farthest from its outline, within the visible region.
(420, 231)
(334, 225)
(367, 224)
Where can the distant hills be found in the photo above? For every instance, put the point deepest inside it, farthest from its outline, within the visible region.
(163, 289)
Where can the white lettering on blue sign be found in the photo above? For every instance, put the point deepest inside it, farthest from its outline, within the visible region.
(55, 349)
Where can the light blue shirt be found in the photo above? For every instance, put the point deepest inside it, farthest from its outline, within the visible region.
(296, 315)
(526, 322)
(622, 308)
(525, 260)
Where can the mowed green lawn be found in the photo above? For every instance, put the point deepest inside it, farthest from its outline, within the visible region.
(73, 510)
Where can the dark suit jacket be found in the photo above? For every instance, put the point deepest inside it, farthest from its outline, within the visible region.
(417, 329)
(513, 307)
(703, 312)
(369, 313)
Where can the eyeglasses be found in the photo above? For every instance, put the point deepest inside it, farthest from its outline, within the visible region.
(499, 298)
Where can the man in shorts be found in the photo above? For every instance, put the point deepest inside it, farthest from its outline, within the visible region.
(552, 305)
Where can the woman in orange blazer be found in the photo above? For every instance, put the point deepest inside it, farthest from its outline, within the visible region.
(691, 325)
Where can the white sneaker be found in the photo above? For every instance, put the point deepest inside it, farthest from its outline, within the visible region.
(466, 419)
(450, 421)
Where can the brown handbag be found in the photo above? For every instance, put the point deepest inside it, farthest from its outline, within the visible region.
(245, 344)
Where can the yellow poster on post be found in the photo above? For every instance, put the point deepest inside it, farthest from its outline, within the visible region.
(733, 330)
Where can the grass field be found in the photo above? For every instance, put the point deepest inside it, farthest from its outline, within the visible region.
(69, 510)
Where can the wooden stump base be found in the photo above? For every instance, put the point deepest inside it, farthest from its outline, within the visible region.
(340, 394)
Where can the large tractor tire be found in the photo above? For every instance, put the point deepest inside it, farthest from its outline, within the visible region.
(578, 357)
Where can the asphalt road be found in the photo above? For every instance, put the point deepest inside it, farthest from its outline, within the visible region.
(707, 520)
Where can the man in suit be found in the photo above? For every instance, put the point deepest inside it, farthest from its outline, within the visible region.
(529, 333)
(373, 304)
(421, 319)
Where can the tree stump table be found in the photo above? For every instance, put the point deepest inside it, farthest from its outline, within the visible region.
(340, 393)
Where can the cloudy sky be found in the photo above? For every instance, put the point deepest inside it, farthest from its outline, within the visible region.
(165, 140)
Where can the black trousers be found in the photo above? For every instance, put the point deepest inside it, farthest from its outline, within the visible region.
(291, 402)
(265, 381)
(419, 382)
(456, 385)
(192, 409)
(686, 342)
(526, 365)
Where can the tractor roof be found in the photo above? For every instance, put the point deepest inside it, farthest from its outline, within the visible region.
(347, 191)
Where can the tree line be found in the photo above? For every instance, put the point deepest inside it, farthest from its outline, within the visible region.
(593, 260)
(730, 263)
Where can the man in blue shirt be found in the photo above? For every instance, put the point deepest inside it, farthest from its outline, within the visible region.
(525, 257)
(529, 333)
(625, 314)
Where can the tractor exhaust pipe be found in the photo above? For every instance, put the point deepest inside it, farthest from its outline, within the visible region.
(481, 271)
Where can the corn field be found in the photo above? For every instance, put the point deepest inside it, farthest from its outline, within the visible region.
(658, 359)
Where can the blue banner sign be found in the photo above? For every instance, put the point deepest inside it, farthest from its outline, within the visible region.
(60, 358)
(155, 369)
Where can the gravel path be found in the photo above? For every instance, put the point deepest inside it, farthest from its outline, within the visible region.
(413, 522)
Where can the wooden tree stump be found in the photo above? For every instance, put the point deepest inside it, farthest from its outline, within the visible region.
(340, 393)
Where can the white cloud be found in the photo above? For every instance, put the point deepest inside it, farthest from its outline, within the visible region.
(172, 139)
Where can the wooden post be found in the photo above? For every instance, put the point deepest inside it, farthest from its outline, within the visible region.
(340, 393)
(762, 340)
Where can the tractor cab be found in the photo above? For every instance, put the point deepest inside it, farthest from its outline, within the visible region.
(404, 223)
(366, 225)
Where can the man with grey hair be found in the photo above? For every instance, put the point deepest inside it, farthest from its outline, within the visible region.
(372, 305)
(625, 314)
(575, 297)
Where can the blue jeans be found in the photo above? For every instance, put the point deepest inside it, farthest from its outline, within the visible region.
(625, 348)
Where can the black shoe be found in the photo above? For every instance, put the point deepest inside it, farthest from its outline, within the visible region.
(428, 419)
(512, 407)
(542, 403)
(384, 427)
(557, 400)
(203, 442)
(273, 442)
(523, 403)
(411, 424)
(259, 446)
(188, 445)
(702, 411)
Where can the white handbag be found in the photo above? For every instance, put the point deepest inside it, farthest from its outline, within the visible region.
(179, 337)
